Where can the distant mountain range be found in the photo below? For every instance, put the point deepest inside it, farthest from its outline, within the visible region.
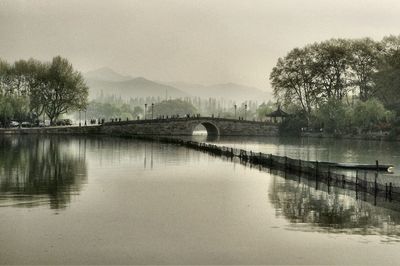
(132, 88)
(106, 74)
(231, 91)
(105, 81)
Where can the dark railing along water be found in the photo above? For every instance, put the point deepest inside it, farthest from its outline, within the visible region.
(367, 181)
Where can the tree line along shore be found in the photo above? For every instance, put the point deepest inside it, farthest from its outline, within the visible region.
(338, 86)
(30, 89)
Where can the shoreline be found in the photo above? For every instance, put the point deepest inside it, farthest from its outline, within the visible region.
(99, 130)
(372, 136)
(160, 127)
(72, 130)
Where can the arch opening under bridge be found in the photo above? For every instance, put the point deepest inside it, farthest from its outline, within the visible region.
(210, 128)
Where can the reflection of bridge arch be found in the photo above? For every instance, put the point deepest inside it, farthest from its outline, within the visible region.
(211, 128)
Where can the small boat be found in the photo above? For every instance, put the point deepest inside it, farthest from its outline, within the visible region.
(380, 167)
(372, 167)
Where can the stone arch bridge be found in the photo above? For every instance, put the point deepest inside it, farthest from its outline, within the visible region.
(186, 126)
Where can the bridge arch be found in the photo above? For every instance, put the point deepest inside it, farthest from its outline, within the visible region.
(211, 128)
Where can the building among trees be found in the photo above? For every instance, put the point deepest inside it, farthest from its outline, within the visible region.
(277, 116)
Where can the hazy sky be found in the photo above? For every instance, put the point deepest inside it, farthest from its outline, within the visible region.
(196, 41)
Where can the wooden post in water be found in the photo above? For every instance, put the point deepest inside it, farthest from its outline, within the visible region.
(299, 171)
(386, 191)
(285, 163)
(376, 180)
(376, 185)
(356, 184)
(329, 175)
(329, 179)
(356, 180)
(365, 181)
(343, 181)
(300, 165)
(316, 174)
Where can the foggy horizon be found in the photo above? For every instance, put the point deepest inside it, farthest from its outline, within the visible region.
(207, 42)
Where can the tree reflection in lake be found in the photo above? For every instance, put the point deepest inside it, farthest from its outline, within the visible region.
(39, 171)
(332, 209)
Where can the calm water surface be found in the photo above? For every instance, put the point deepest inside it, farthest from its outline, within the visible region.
(116, 201)
(322, 149)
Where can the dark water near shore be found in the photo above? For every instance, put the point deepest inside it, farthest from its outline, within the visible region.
(117, 201)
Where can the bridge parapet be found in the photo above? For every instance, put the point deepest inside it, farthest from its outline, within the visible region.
(185, 126)
(179, 119)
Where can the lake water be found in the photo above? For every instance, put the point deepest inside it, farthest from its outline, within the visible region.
(70, 200)
(311, 149)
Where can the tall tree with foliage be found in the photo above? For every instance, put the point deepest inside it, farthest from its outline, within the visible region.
(320, 78)
(62, 89)
(113, 109)
(4, 76)
(364, 62)
(370, 113)
(172, 107)
(332, 64)
(264, 109)
(387, 78)
(30, 87)
(293, 79)
(330, 70)
(331, 116)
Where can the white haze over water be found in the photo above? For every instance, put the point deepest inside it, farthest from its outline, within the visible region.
(204, 42)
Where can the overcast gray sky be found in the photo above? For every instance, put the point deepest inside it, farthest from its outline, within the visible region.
(205, 42)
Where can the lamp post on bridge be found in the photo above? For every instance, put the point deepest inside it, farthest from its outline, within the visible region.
(245, 112)
(85, 117)
(235, 109)
(152, 111)
(80, 122)
(145, 110)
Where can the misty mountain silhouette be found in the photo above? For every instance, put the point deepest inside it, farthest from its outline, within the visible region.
(132, 88)
(105, 81)
(231, 91)
(106, 74)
